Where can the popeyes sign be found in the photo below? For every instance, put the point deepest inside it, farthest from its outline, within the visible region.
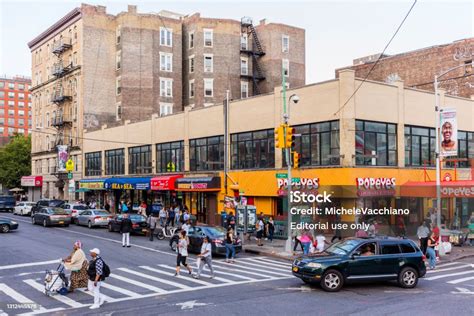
(375, 186)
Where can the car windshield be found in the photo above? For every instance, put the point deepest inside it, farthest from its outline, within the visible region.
(136, 217)
(342, 248)
(101, 213)
(57, 211)
(56, 203)
(30, 204)
(79, 207)
(214, 231)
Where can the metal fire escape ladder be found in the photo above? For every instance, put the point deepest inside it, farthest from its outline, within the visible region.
(256, 53)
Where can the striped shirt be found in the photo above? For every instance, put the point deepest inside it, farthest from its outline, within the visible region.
(99, 265)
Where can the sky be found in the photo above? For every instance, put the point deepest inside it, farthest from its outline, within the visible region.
(336, 31)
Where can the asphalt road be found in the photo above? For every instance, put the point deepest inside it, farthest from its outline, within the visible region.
(142, 282)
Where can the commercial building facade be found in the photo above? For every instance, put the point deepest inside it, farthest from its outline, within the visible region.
(92, 68)
(383, 134)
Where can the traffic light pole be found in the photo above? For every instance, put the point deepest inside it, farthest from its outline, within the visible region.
(286, 118)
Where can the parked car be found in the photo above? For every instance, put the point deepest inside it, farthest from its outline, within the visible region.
(93, 218)
(74, 209)
(138, 223)
(46, 203)
(363, 259)
(7, 203)
(7, 225)
(23, 208)
(196, 236)
(48, 216)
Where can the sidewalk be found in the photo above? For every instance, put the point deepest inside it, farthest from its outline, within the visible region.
(277, 250)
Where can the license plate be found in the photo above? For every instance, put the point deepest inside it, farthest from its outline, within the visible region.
(61, 222)
(144, 230)
(295, 269)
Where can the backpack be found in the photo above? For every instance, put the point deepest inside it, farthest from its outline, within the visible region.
(105, 271)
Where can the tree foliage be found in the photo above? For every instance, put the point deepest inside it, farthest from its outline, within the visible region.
(15, 161)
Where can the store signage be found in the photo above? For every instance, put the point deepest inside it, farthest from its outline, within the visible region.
(461, 192)
(127, 183)
(204, 183)
(32, 181)
(69, 165)
(297, 184)
(91, 185)
(375, 186)
(164, 182)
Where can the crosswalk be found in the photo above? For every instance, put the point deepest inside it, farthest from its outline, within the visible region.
(452, 273)
(129, 283)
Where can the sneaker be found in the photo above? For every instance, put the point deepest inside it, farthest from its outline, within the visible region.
(211, 277)
(94, 306)
(129, 246)
(190, 272)
(123, 245)
(176, 274)
(195, 276)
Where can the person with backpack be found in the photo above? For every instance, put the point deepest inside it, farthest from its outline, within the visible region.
(231, 220)
(126, 227)
(97, 272)
(182, 249)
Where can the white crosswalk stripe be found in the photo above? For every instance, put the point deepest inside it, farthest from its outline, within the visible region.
(267, 264)
(119, 290)
(265, 259)
(61, 298)
(149, 277)
(443, 271)
(461, 280)
(450, 269)
(134, 282)
(256, 267)
(217, 272)
(20, 298)
(240, 269)
(106, 298)
(172, 274)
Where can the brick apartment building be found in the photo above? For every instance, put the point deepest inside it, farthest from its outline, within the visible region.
(92, 68)
(15, 106)
(417, 68)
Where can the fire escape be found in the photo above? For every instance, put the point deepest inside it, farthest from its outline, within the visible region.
(254, 54)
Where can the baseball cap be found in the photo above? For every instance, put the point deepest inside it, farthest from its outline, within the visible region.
(95, 250)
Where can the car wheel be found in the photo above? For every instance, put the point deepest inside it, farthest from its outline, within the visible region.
(4, 228)
(408, 278)
(174, 245)
(110, 228)
(160, 235)
(332, 281)
(66, 225)
(45, 223)
(33, 220)
(89, 224)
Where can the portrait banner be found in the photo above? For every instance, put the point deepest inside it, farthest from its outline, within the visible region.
(449, 133)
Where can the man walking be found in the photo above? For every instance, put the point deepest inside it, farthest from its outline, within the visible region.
(96, 272)
(163, 215)
(205, 258)
(151, 223)
(125, 229)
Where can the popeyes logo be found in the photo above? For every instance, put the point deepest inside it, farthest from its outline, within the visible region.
(375, 186)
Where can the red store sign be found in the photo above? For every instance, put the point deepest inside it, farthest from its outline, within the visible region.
(32, 181)
(164, 183)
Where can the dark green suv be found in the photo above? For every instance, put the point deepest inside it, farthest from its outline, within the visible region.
(363, 259)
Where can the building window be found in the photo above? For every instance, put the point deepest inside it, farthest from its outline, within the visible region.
(206, 153)
(244, 89)
(11, 112)
(285, 43)
(191, 88)
(21, 112)
(244, 41)
(11, 86)
(170, 157)
(208, 87)
(11, 95)
(93, 164)
(166, 109)
(420, 145)
(118, 116)
(208, 63)
(11, 103)
(465, 150)
(2, 84)
(208, 37)
(166, 62)
(191, 40)
(21, 131)
(139, 160)
(2, 102)
(166, 87)
(21, 96)
(166, 37)
(21, 86)
(118, 34)
(118, 59)
(253, 150)
(119, 85)
(191, 64)
(21, 104)
(2, 94)
(115, 161)
(244, 66)
(376, 143)
(286, 67)
(11, 122)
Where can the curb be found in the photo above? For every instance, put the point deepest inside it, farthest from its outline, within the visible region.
(268, 254)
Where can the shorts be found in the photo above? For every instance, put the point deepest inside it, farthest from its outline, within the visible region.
(181, 260)
(259, 234)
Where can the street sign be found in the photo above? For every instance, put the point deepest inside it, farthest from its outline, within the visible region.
(69, 175)
(282, 176)
(69, 165)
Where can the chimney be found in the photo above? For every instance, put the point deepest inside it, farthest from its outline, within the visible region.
(101, 9)
(132, 9)
(263, 21)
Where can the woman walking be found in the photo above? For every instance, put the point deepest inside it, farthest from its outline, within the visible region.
(182, 253)
(430, 250)
(306, 240)
(77, 264)
(270, 228)
(229, 246)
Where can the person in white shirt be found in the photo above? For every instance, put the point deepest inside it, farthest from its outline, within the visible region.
(205, 258)
(186, 227)
(182, 253)
(321, 240)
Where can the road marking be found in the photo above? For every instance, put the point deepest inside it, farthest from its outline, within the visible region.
(191, 279)
(244, 265)
(460, 280)
(149, 277)
(119, 289)
(265, 259)
(61, 298)
(50, 311)
(407, 291)
(449, 269)
(462, 291)
(249, 272)
(107, 298)
(140, 284)
(17, 296)
(448, 264)
(190, 304)
(29, 264)
(217, 278)
(266, 264)
(448, 275)
(303, 288)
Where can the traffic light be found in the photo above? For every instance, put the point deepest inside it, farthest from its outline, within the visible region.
(279, 137)
(290, 137)
(296, 160)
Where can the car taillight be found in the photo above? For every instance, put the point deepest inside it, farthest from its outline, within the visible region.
(134, 225)
(97, 217)
(217, 241)
(423, 257)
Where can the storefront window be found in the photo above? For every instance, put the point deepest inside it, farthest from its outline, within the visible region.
(253, 150)
(420, 145)
(206, 153)
(139, 160)
(376, 143)
(465, 149)
(170, 157)
(93, 164)
(115, 161)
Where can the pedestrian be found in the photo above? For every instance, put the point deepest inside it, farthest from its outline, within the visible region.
(306, 240)
(205, 257)
(182, 253)
(371, 231)
(77, 264)
(401, 226)
(163, 216)
(171, 216)
(93, 205)
(297, 235)
(107, 207)
(126, 227)
(177, 216)
(123, 207)
(430, 250)
(337, 231)
(96, 272)
(186, 226)
(270, 228)
(231, 220)
(423, 232)
(260, 227)
(262, 217)
(186, 216)
(151, 224)
(229, 246)
(320, 242)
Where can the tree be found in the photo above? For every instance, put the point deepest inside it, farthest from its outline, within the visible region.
(15, 161)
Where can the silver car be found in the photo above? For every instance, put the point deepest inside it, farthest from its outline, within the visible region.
(91, 218)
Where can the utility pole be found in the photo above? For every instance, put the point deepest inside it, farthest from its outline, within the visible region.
(286, 118)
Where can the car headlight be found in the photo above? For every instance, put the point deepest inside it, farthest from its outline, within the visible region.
(314, 265)
(14, 223)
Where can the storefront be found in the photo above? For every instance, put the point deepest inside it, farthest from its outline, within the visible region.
(94, 190)
(130, 190)
(163, 190)
(33, 185)
(199, 195)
